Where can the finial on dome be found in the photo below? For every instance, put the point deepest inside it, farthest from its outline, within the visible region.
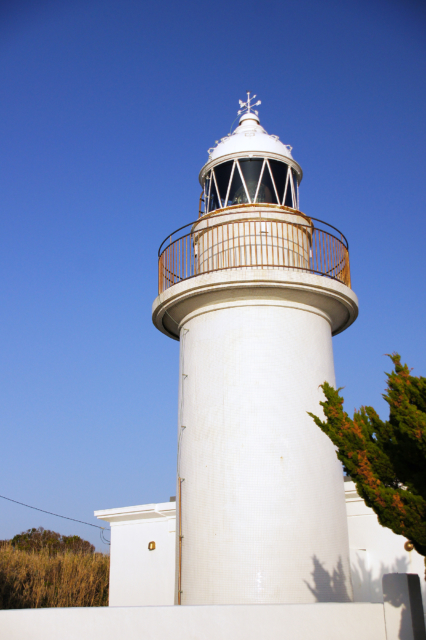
(248, 106)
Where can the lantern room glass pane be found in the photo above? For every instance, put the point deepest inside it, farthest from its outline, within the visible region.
(223, 174)
(214, 199)
(206, 194)
(279, 171)
(251, 169)
(289, 196)
(296, 189)
(237, 193)
(266, 191)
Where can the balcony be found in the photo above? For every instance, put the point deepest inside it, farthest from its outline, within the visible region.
(253, 237)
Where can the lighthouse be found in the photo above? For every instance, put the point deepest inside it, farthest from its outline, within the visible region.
(254, 289)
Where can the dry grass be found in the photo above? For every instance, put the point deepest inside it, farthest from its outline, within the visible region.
(29, 580)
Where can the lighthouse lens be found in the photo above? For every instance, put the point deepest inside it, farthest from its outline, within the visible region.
(251, 171)
(237, 193)
(266, 192)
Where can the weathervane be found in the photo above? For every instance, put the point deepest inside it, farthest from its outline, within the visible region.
(248, 106)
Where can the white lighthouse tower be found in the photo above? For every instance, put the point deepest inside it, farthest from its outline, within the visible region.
(255, 289)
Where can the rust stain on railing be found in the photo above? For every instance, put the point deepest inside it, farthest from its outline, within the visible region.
(254, 242)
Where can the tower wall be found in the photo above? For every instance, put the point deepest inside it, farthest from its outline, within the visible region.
(263, 509)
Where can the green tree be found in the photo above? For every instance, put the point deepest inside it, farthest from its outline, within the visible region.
(386, 460)
(38, 539)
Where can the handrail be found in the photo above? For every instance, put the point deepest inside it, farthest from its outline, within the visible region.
(253, 241)
(286, 210)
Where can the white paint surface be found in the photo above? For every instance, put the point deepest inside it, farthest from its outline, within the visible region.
(139, 576)
(209, 291)
(263, 511)
(262, 499)
(257, 140)
(329, 621)
(375, 551)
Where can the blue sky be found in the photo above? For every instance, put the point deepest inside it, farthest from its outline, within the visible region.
(107, 109)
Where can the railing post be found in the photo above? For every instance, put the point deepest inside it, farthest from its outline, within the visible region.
(242, 243)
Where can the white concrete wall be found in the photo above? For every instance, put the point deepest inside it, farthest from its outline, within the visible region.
(329, 621)
(375, 551)
(263, 507)
(139, 576)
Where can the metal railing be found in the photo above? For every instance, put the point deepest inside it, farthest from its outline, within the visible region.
(253, 242)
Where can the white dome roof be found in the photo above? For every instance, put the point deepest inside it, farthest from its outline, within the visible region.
(249, 137)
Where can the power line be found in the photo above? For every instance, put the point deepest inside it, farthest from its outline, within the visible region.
(89, 524)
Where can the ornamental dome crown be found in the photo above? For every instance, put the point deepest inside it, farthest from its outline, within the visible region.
(250, 137)
(250, 166)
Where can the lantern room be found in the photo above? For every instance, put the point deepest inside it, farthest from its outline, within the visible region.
(249, 166)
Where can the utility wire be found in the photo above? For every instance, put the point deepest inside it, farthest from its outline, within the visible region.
(54, 514)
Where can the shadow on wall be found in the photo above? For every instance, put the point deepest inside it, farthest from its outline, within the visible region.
(368, 587)
(329, 587)
(403, 605)
(395, 599)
